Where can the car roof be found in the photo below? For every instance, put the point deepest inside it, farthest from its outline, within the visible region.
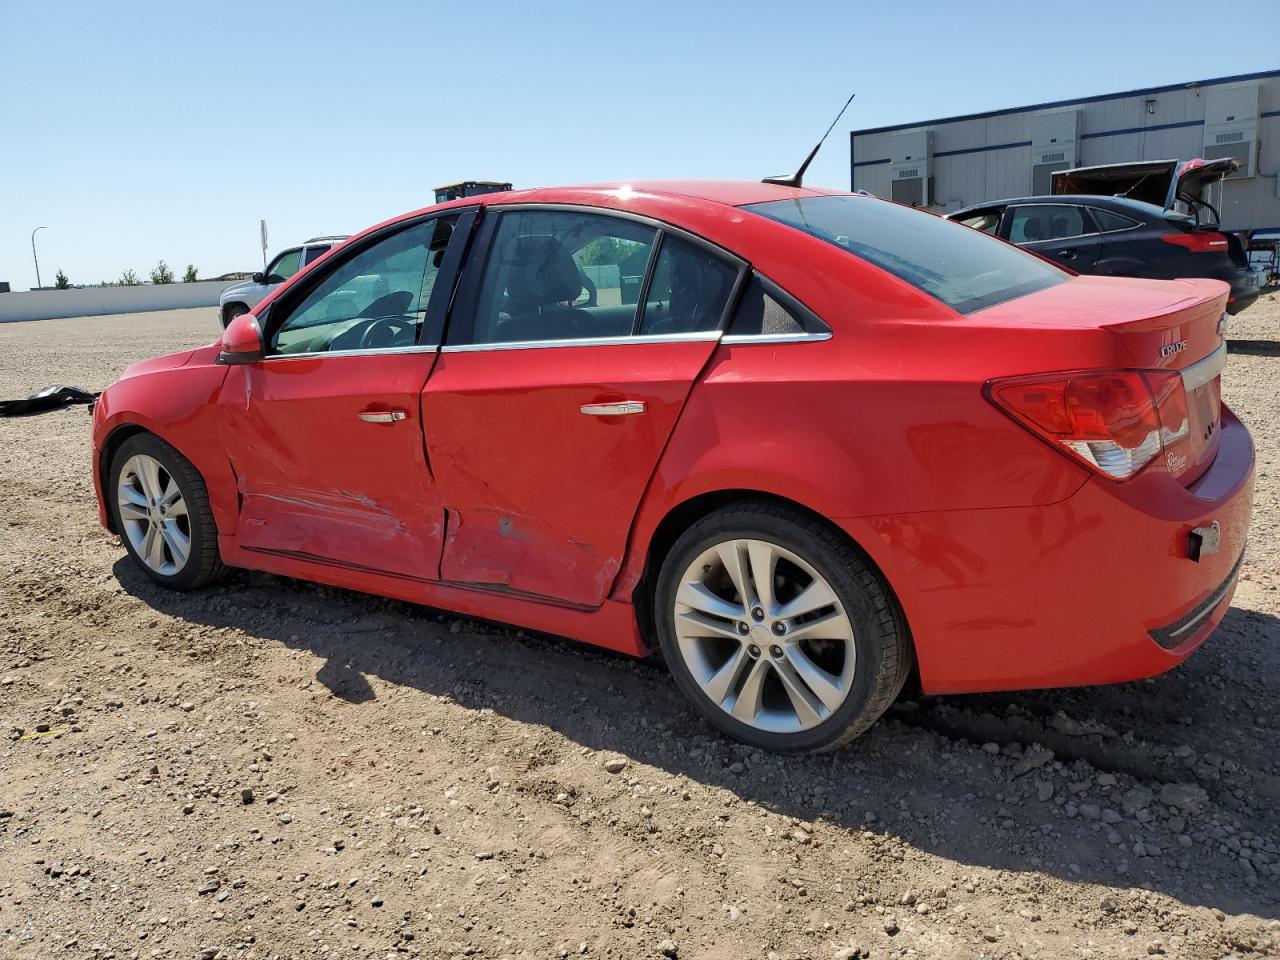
(1135, 207)
(733, 193)
(651, 198)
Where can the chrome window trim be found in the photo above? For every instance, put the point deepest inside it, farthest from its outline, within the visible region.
(370, 352)
(1074, 236)
(740, 338)
(701, 336)
(1206, 370)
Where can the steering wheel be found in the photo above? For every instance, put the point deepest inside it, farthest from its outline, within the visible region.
(387, 332)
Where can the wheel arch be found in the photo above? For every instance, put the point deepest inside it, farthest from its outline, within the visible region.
(225, 309)
(681, 516)
(1120, 266)
(107, 453)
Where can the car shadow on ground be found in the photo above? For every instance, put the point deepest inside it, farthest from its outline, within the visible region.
(921, 775)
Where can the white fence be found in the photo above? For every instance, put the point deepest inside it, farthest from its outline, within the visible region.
(96, 301)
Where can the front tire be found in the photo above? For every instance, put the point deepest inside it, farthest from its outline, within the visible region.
(231, 311)
(778, 630)
(160, 507)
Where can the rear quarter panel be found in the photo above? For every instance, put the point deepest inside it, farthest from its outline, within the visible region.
(887, 417)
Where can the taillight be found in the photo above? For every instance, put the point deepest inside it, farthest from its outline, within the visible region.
(1207, 242)
(1113, 421)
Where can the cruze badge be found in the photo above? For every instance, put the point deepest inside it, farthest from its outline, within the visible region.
(1169, 349)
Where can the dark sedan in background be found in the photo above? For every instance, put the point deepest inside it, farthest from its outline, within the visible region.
(1126, 237)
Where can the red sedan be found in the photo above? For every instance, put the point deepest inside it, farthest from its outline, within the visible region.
(797, 440)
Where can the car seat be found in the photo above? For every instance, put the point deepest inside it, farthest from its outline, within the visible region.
(697, 288)
(542, 279)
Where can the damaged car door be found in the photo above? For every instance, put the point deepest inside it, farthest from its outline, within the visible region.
(573, 346)
(324, 433)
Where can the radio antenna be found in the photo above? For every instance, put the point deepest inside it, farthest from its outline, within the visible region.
(794, 180)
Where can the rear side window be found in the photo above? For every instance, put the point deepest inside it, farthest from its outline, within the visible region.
(1049, 221)
(689, 290)
(315, 253)
(766, 310)
(963, 268)
(1109, 222)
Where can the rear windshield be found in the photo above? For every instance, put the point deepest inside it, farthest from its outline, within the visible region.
(963, 268)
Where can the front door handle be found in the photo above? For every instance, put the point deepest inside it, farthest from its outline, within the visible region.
(621, 408)
(1066, 254)
(382, 416)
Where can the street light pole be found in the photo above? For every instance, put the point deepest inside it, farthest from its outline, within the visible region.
(33, 253)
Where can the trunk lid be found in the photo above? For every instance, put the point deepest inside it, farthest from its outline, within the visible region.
(1160, 325)
(1170, 184)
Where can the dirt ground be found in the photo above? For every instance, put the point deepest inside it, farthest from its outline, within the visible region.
(275, 769)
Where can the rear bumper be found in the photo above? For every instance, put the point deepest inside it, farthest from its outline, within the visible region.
(1098, 588)
(1244, 291)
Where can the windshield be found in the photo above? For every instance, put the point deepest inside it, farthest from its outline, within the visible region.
(965, 269)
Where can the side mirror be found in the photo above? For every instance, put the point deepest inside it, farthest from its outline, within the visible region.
(259, 277)
(242, 341)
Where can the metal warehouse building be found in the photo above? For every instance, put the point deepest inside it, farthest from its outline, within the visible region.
(957, 161)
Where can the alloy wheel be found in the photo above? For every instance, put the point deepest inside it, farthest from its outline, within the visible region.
(764, 636)
(154, 514)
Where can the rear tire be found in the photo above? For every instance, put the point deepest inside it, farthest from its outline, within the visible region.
(231, 311)
(160, 507)
(778, 629)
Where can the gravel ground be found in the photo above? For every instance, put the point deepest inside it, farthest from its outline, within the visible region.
(275, 769)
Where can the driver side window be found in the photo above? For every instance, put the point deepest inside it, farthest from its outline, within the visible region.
(375, 300)
(284, 266)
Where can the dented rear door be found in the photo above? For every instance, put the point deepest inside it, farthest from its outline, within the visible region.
(541, 457)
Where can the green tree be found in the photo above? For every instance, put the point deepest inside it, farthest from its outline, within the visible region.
(162, 273)
(60, 282)
(128, 279)
(605, 250)
(190, 276)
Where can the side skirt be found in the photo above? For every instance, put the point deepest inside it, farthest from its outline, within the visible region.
(612, 625)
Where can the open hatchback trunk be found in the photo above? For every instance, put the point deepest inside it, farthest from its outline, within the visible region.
(1158, 396)
(1180, 186)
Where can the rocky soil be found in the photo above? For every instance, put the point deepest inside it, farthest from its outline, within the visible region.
(274, 769)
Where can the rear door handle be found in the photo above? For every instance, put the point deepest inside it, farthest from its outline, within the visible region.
(622, 408)
(1066, 254)
(382, 416)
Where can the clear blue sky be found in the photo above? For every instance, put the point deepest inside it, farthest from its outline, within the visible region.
(141, 131)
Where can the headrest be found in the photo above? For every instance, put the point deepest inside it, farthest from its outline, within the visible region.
(542, 272)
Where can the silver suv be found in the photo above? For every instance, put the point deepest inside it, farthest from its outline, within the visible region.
(243, 297)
